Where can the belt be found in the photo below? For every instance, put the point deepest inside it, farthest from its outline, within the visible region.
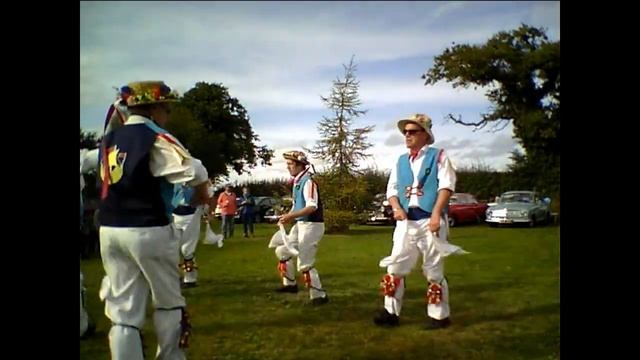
(416, 213)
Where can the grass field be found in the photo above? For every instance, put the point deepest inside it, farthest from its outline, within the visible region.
(505, 301)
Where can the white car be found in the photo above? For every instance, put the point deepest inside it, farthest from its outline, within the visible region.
(519, 207)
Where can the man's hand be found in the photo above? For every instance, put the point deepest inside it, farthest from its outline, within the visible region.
(399, 214)
(285, 219)
(434, 224)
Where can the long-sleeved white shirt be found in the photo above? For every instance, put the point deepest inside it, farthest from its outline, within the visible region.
(171, 160)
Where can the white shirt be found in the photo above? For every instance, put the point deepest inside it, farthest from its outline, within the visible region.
(88, 163)
(309, 192)
(446, 175)
(172, 160)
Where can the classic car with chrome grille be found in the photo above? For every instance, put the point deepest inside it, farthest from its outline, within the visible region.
(524, 207)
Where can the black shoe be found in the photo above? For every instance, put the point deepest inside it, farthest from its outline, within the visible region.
(320, 300)
(433, 324)
(383, 318)
(288, 289)
(187, 285)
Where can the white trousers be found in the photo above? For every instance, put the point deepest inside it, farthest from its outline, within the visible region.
(138, 261)
(304, 237)
(410, 240)
(188, 232)
(84, 316)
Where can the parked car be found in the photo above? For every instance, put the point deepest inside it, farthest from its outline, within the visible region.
(464, 208)
(272, 214)
(523, 207)
(381, 212)
(263, 204)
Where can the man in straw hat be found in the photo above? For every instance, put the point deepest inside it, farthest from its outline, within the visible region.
(418, 190)
(140, 163)
(307, 213)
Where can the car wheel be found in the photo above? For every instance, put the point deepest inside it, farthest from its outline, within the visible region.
(452, 221)
(492, 224)
(258, 218)
(532, 222)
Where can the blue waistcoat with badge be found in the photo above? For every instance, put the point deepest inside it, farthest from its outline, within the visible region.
(135, 198)
(427, 189)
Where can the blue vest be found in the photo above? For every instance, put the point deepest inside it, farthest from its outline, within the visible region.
(427, 180)
(182, 195)
(135, 197)
(299, 203)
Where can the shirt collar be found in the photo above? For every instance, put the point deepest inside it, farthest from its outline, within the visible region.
(300, 175)
(138, 119)
(421, 151)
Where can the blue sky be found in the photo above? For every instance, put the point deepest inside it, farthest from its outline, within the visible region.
(278, 58)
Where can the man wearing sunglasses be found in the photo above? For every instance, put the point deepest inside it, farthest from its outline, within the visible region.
(418, 190)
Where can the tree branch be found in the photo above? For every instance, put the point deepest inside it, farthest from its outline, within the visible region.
(478, 124)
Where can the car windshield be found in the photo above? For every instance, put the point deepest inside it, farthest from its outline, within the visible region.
(516, 197)
(462, 199)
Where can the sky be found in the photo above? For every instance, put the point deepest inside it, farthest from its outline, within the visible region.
(279, 58)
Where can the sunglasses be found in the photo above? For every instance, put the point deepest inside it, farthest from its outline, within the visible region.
(411, 131)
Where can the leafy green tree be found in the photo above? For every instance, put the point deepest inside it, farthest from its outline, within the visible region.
(216, 128)
(521, 70)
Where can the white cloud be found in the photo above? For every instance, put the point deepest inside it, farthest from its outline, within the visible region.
(455, 144)
(251, 52)
(279, 57)
(378, 93)
(393, 140)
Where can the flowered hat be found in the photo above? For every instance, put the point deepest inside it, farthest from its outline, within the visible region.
(297, 156)
(147, 92)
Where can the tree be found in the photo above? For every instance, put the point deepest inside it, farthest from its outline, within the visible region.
(376, 181)
(521, 70)
(215, 128)
(340, 145)
(481, 180)
(88, 140)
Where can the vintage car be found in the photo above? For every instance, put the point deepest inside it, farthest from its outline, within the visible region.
(464, 208)
(380, 212)
(282, 206)
(524, 207)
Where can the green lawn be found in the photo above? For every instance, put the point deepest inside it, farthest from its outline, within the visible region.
(505, 301)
